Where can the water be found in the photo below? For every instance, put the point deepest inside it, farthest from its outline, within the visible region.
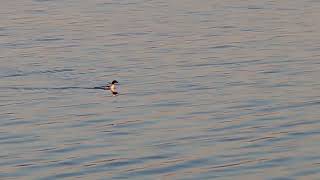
(208, 89)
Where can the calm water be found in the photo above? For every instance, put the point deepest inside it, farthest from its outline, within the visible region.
(208, 89)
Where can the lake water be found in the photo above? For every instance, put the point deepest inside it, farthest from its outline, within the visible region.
(208, 89)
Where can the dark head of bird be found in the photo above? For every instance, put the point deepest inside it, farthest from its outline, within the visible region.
(114, 82)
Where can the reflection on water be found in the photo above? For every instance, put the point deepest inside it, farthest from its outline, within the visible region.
(208, 90)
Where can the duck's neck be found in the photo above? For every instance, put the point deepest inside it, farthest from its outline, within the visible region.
(113, 88)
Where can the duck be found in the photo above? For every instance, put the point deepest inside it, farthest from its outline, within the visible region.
(112, 87)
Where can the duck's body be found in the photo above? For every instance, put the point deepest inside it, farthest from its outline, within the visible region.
(112, 87)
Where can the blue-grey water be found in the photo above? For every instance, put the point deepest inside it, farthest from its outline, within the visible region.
(208, 89)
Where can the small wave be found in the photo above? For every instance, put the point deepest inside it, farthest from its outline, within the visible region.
(37, 72)
(47, 88)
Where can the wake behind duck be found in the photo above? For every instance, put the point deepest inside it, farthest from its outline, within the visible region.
(112, 87)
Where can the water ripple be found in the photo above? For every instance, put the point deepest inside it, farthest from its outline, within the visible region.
(208, 90)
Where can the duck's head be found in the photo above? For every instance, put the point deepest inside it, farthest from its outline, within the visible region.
(114, 82)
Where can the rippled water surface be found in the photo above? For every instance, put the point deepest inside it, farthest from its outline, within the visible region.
(208, 89)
